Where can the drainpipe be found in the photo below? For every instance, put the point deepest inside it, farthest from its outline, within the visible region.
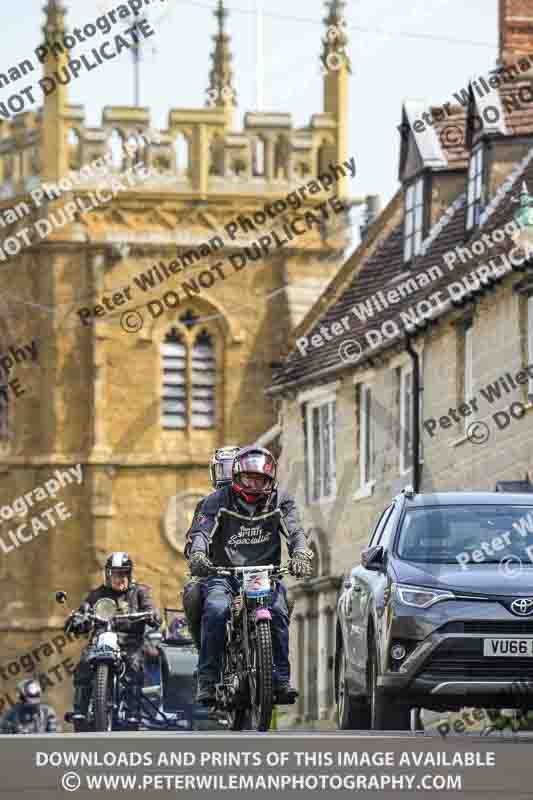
(416, 415)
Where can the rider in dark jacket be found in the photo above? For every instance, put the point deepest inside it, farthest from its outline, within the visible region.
(29, 715)
(238, 525)
(195, 589)
(130, 597)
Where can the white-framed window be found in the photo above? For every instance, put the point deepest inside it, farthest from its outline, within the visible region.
(406, 418)
(414, 219)
(321, 448)
(468, 373)
(365, 435)
(530, 342)
(475, 188)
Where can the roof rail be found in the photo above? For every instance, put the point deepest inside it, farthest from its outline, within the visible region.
(408, 491)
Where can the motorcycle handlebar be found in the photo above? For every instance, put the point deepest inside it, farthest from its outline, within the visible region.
(136, 615)
(276, 570)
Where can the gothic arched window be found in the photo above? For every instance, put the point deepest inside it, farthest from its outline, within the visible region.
(188, 376)
(281, 157)
(322, 158)
(258, 163)
(203, 382)
(181, 149)
(174, 353)
(116, 146)
(74, 149)
(216, 156)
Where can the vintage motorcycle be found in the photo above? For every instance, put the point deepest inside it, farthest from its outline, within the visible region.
(245, 693)
(107, 705)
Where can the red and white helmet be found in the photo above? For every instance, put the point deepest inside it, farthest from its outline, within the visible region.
(253, 473)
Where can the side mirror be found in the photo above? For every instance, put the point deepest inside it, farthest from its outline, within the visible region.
(61, 597)
(373, 559)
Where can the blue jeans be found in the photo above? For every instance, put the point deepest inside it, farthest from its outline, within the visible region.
(215, 613)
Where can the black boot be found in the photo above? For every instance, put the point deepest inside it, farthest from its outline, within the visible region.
(133, 708)
(78, 716)
(284, 693)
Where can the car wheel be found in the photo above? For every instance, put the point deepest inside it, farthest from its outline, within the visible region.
(385, 715)
(353, 714)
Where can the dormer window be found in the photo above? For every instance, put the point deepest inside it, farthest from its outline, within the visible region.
(475, 188)
(414, 219)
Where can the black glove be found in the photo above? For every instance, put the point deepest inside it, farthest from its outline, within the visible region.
(77, 623)
(300, 565)
(200, 565)
(154, 621)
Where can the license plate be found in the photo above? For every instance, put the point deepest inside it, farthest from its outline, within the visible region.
(257, 583)
(508, 647)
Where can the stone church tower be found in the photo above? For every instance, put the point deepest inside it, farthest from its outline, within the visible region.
(141, 399)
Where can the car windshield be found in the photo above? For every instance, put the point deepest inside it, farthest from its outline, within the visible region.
(467, 535)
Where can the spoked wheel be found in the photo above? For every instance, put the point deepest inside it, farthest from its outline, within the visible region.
(103, 701)
(261, 685)
(236, 717)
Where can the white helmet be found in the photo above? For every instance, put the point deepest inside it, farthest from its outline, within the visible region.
(221, 466)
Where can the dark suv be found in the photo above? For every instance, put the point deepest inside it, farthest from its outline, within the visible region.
(439, 614)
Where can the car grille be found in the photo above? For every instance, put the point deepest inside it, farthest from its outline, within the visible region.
(463, 660)
(501, 627)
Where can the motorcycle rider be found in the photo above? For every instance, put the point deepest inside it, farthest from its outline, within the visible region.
(130, 597)
(29, 715)
(238, 525)
(195, 589)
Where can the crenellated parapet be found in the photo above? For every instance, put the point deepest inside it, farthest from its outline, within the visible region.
(195, 153)
(199, 153)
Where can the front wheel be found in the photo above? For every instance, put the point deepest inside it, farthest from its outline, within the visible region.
(103, 698)
(261, 685)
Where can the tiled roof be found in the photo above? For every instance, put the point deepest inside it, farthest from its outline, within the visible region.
(385, 266)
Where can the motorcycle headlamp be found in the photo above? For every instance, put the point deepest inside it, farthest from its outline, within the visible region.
(105, 608)
(420, 596)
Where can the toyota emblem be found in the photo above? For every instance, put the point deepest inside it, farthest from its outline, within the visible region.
(522, 607)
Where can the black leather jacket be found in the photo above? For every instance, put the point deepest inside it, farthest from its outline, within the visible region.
(213, 516)
(138, 597)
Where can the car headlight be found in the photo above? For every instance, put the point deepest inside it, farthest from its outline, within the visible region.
(420, 597)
